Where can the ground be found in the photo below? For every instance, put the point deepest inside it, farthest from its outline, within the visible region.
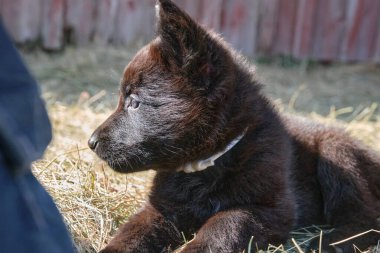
(81, 89)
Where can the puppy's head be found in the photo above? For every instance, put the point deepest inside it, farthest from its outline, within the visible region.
(173, 99)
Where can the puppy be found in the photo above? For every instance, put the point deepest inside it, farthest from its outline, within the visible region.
(230, 169)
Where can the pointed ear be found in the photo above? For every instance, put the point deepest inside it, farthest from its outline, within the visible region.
(185, 43)
(177, 30)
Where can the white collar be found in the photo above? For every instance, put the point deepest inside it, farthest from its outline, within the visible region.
(200, 165)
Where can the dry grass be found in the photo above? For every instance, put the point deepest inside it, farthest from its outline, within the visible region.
(95, 201)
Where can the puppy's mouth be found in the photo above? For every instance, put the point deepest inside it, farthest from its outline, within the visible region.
(123, 166)
(124, 160)
(127, 164)
(140, 156)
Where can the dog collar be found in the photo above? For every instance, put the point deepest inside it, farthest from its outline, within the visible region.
(200, 165)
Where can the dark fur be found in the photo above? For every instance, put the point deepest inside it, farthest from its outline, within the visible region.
(196, 95)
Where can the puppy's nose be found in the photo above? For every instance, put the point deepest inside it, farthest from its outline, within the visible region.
(93, 141)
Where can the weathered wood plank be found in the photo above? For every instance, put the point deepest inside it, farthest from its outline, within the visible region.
(212, 14)
(350, 28)
(106, 11)
(208, 13)
(22, 19)
(193, 7)
(131, 21)
(367, 39)
(303, 36)
(346, 30)
(283, 42)
(148, 16)
(269, 10)
(1, 3)
(10, 17)
(240, 23)
(127, 17)
(329, 29)
(361, 29)
(52, 24)
(376, 55)
(79, 19)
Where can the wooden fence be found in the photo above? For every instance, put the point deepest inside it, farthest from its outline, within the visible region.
(327, 30)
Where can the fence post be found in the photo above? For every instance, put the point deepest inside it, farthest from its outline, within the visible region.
(329, 29)
(361, 27)
(22, 19)
(287, 17)
(240, 24)
(303, 36)
(52, 24)
(80, 20)
(268, 20)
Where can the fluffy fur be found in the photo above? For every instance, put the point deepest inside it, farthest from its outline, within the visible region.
(184, 97)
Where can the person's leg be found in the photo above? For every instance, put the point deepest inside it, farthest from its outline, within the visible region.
(29, 219)
(30, 222)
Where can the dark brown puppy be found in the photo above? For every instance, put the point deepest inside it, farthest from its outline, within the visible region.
(188, 101)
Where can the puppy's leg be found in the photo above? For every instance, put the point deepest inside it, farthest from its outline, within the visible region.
(348, 201)
(231, 231)
(147, 231)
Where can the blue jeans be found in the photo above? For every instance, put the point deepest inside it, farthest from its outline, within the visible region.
(29, 220)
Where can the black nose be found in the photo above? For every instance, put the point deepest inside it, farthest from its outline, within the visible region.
(93, 141)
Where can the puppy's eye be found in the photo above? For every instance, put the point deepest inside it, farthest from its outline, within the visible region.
(132, 102)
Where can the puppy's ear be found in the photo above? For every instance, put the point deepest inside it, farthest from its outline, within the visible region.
(179, 33)
(186, 44)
